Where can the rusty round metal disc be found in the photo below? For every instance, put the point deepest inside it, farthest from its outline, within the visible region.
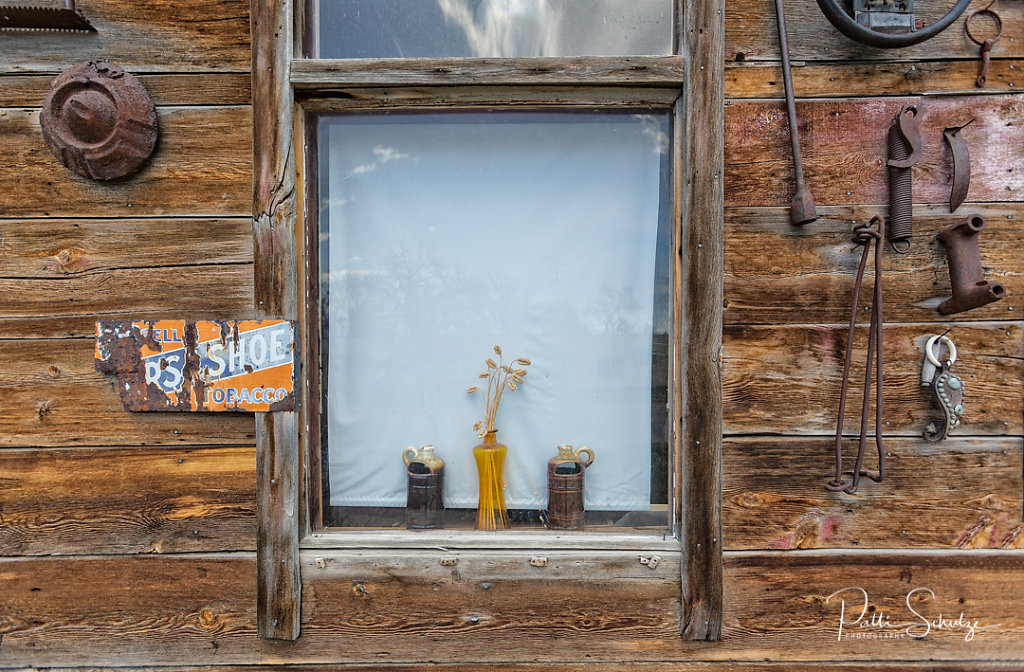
(99, 121)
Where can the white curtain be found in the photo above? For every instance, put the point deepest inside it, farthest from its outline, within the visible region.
(449, 233)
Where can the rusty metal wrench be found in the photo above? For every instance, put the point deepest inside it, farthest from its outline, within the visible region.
(802, 208)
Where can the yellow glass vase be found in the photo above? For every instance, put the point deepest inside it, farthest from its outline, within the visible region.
(490, 461)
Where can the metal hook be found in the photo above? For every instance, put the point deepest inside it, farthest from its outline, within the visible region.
(929, 350)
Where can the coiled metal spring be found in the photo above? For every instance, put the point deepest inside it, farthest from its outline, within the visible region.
(900, 221)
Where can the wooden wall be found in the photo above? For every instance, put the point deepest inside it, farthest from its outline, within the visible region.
(128, 539)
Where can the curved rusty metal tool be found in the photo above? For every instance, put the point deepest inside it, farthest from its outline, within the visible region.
(907, 123)
(905, 149)
(986, 45)
(961, 165)
(966, 274)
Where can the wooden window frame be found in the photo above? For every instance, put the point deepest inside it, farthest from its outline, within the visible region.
(287, 87)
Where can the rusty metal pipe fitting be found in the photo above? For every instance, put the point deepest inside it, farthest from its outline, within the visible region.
(966, 275)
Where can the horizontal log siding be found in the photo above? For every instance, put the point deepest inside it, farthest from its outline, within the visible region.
(126, 539)
(406, 608)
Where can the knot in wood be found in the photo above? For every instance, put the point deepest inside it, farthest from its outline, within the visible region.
(207, 618)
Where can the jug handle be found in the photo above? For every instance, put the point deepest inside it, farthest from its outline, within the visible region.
(408, 455)
(590, 454)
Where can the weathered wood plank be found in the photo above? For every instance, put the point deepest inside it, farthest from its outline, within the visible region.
(208, 88)
(77, 301)
(324, 74)
(699, 286)
(751, 30)
(143, 36)
(53, 396)
(786, 593)
(778, 273)
(689, 666)
(175, 610)
(463, 540)
(275, 294)
(843, 146)
(63, 248)
(201, 166)
(366, 97)
(498, 596)
(327, 569)
(956, 494)
(762, 79)
(126, 500)
(785, 380)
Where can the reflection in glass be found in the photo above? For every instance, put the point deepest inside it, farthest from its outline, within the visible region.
(443, 234)
(492, 28)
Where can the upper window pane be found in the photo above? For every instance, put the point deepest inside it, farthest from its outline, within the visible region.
(492, 28)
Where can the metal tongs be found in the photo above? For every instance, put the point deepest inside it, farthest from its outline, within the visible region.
(14, 17)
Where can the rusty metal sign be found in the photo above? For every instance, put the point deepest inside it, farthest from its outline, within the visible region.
(179, 365)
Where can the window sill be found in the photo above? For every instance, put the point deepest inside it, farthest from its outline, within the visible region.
(649, 542)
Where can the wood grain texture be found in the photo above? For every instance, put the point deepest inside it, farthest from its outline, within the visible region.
(689, 666)
(201, 166)
(231, 88)
(794, 588)
(843, 147)
(70, 306)
(142, 36)
(779, 273)
(323, 74)
(307, 228)
(751, 30)
(330, 99)
(830, 79)
(701, 527)
(961, 493)
(127, 500)
(785, 380)
(53, 396)
(177, 610)
(63, 248)
(275, 295)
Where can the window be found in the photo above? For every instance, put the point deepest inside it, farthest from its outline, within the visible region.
(595, 171)
(443, 233)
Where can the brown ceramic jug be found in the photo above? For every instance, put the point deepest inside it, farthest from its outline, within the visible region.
(424, 507)
(565, 487)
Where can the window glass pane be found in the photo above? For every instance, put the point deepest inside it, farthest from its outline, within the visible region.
(443, 234)
(496, 28)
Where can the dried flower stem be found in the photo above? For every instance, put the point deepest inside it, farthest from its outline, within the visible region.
(499, 376)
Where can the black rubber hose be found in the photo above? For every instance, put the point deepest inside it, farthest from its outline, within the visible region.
(845, 24)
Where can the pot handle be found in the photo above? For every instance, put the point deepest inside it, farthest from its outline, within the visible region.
(589, 451)
(408, 455)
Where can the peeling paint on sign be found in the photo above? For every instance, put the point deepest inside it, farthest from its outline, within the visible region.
(179, 365)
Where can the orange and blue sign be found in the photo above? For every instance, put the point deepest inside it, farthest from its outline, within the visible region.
(200, 365)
